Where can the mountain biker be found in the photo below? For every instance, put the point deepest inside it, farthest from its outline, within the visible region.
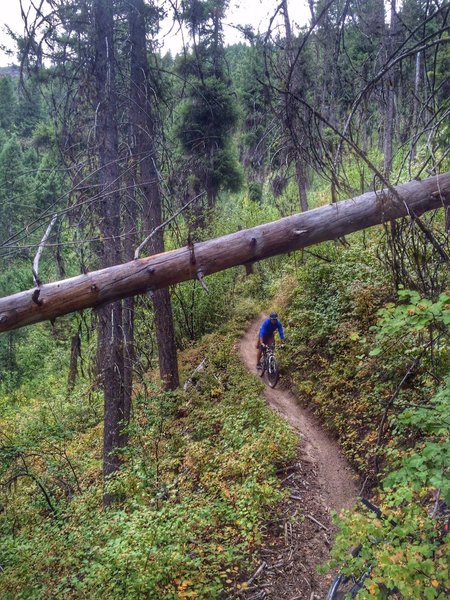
(266, 335)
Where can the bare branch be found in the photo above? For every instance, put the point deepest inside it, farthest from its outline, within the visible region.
(35, 267)
(149, 237)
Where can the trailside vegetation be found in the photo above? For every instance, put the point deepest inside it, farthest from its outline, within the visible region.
(373, 362)
(197, 481)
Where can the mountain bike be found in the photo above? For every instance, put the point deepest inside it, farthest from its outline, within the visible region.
(348, 586)
(269, 364)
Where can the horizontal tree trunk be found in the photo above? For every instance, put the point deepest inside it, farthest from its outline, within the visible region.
(196, 261)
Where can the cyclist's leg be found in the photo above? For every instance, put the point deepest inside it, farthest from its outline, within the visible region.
(259, 351)
(270, 341)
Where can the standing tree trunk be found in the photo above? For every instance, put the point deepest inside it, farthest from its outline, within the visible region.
(110, 336)
(293, 125)
(390, 83)
(301, 182)
(75, 351)
(129, 223)
(144, 127)
(415, 117)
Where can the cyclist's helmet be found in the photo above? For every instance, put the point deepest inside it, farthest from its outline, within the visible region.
(273, 315)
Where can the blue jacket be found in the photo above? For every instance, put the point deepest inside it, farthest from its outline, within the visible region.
(268, 328)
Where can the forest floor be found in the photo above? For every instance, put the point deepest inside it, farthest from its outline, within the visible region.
(300, 535)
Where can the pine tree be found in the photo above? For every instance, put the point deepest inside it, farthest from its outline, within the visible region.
(15, 206)
(8, 103)
(110, 333)
(208, 113)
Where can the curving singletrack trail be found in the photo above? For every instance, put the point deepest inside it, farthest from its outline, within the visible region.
(335, 474)
(321, 481)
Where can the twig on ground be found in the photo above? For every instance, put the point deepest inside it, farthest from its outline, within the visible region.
(256, 574)
(317, 522)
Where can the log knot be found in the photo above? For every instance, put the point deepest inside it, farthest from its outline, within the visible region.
(35, 297)
(191, 250)
(443, 195)
(200, 275)
(3, 318)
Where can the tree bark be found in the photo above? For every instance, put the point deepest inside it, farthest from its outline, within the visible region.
(415, 116)
(249, 245)
(300, 173)
(129, 222)
(391, 84)
(293, 123)
(110, 336)
(143, 118)
(75, 352)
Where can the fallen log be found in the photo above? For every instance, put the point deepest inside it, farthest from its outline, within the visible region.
(195, 261)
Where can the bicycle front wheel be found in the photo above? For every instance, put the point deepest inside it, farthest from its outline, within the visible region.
(341, 588)
(263, 364)
(346, 586)
(272, 371)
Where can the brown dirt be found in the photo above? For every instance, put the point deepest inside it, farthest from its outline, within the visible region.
(301, 533)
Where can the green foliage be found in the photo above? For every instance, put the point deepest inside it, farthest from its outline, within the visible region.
(14, 208)
(8, 103)
(358, 363)
(420, 325)
(197, 312)
(30, 108)
(255, 191)
(205, 120)
(414, 316)
(198, 477)
(207, 116)
(408, 550)
(50, 183)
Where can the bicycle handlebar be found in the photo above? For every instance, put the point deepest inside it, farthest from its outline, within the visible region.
(378, 512)
(372, 507)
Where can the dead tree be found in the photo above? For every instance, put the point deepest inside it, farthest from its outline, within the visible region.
(110, 335)
(143, 122)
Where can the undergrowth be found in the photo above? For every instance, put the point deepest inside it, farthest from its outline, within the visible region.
(197, 482)
(374, 362)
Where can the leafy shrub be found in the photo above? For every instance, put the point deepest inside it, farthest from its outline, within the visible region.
(410, 552)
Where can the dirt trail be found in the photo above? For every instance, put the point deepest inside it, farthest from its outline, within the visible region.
(319, 482)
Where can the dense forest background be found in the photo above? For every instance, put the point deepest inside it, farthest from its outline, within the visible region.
(116, 481)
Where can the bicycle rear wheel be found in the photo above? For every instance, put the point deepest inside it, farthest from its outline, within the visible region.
(272, 371)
